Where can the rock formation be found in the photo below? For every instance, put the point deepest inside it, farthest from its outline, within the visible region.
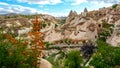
(44, 64)
(115, 38)
(85, 26)
(77, 27)
(85, 10)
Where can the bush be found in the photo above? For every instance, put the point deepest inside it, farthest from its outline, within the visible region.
(106, 56)
(73, 60)
(67, 41)
(107, 30)
(63, 21)
(44, 25)
(47, 44)
(57, 59)
(15, 55)
(88, 49)
(114, 6)
(56, 25)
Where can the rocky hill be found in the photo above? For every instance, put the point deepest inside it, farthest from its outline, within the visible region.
(75, 28)
(87, 26)
(15, 22)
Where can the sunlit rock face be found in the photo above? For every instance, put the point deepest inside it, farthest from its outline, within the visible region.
(70, 17)
(44, 64)
(85, 31)
(53, 35)
(77, 27)
(80, 27)
(114, 40)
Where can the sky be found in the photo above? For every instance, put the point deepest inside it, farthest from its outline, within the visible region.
(52, 7)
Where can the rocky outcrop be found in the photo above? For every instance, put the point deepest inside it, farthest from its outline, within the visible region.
(76, 27)
(87, 25)
(80, 27)
(85, 31)
(20, 22)
(114, 40)
(44, 64)
(53, 36)
(85, 10)
(70, 17)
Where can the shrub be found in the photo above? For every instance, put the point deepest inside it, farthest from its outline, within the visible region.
(14, 54)
(47, 44)
(44, 25)
(67, 41)
(63, 21)
(114, 6)
(57, 59)
(56, 25)
(107, 30)
(106, 56)
(73, 60)
(88, 49)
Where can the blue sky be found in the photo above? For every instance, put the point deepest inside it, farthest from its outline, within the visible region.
(52, 7)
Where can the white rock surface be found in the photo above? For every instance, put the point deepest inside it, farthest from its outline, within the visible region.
(44, 64)
(114, 40)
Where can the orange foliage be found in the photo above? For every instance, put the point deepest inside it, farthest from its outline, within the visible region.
(37, 42)
(37, 35)
(10, 38)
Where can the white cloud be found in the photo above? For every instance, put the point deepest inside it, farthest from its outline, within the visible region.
(101, 3)
(11, 8)
(77, 2)
(4, 11)
(58, 14)
(2, 3)
(42, 2)
(107, 1)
